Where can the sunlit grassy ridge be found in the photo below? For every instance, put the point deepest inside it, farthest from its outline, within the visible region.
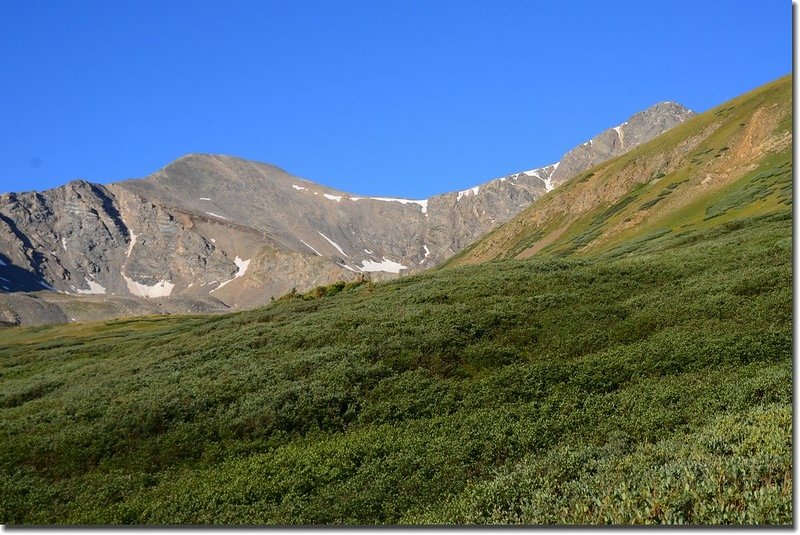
(730, 162)
(652, 385)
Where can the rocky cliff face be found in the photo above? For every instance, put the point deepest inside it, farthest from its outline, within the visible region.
(219, 232)
(616, 141)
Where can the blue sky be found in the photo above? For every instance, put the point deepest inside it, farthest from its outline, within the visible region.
(402, 98)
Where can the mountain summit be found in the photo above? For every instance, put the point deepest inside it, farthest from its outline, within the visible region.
(211, 232)
(731, 161)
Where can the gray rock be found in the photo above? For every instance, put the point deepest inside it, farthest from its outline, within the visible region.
(208, 232)
(638, 129)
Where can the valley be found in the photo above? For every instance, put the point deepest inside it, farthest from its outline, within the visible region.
(617, 352)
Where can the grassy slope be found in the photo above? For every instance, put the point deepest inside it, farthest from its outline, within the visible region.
(486, 393)
(648, 382)
(727, 163)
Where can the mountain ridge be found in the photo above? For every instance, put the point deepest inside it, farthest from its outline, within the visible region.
(235, 233)
(654, 185)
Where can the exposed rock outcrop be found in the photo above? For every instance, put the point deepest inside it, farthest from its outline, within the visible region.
(219, 231)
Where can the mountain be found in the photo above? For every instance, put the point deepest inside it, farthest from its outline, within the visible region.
(718, 166)
(637, 368)
(616, 141)
(209, 232)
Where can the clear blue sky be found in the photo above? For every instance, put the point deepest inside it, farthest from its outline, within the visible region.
(379, 97)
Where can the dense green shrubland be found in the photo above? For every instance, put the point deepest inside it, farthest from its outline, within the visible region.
(651, 384)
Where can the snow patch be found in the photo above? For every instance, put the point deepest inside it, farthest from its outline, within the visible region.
(216, 215)
(3, 263)
(467, 192)
(213, 240)
(336, 198)
(131, 244)
(427, 253)
(368, 251)
(348, 268)
(423, 203)
(94, 288)
(160, 289)
(618, 130)
(332, 243)
(387, 265)
(548, 182)
(204, 199)
(307, 245)
(242, 265)
(64, 243)
(299, 188)
(46, 285)
(4, 279)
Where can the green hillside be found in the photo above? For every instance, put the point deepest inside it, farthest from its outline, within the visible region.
(730, 162)
(652, 388)
(646, 379)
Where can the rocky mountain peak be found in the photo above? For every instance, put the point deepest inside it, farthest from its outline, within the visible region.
(610, 143)
(218, 231)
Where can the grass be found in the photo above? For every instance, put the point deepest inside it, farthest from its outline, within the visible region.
(765, 189)
(668, 189)
(640, 377)
(668, 182)
(777, 178)
(596, 226)
(649, 384)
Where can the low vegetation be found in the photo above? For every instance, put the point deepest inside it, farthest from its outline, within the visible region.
(651, 383)
(726, 164)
